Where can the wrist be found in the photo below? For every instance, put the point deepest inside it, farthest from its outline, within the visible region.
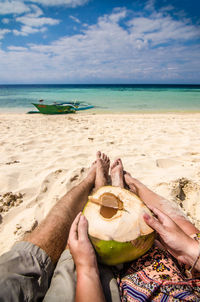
(91, 271)
(192, 253)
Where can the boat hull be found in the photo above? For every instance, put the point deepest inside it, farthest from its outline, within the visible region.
(54, 109)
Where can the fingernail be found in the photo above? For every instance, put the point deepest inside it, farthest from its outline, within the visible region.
(146, 216)
(82, 217)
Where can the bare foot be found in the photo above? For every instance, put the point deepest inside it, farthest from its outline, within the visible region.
(116, 173)
(102, 168)
(132, 183)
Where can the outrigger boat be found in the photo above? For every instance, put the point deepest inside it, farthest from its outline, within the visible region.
(60, 108)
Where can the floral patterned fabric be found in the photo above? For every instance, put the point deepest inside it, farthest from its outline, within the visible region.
(156, 276)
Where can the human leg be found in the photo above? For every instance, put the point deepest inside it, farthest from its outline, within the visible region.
(52, 234)
(26, 270)
(63, 283)
(152, 199)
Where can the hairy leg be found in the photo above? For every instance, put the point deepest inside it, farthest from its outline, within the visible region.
(117, 174)
(153, 200)
(52, 234)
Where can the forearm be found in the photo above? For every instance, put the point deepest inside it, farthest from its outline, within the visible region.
(170, 208)
(89, 286)
(150, 198)
(52, 234)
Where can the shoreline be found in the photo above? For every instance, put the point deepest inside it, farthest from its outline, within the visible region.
(103, 112)
(43, 156)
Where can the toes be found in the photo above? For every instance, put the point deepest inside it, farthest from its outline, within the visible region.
(105, 158)
(94, 162)
(98, 155)
(119, 161)
(114, 164)
(108, 165)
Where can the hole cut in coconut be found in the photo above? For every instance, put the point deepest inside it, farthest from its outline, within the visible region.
(110, 204)
(108, 212)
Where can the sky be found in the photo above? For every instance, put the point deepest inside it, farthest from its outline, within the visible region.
(99, 41)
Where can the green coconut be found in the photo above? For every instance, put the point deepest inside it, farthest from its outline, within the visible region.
(116, 225)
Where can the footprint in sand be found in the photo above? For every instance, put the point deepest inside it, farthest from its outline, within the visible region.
(167, 163)
(52, 188)
(25, 227)
(75, 177)
(12, 162)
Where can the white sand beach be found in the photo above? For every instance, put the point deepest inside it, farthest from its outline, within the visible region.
(42, 157)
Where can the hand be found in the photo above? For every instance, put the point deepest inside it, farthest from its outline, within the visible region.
(179, 244)
(80, 245)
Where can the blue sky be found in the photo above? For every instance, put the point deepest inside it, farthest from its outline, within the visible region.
(91, 41)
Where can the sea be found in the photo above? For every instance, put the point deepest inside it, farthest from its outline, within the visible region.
(116, 98)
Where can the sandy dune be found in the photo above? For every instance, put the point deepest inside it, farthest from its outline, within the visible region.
(44, 156)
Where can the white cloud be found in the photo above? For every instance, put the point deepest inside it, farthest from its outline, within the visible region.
(3, 32)
(17, 48)
(150, 5)
(19, 7)
(33, 22)
(158, 29)
(68, 3)
(108, 51)
(27, 30)
(37, 22)
(167, 8)
(13, 7)
(117, 15)
(35, 11)
(75, 19)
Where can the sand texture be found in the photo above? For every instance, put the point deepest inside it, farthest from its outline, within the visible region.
(42, 157)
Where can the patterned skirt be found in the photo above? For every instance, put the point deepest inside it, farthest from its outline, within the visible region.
(157, 276)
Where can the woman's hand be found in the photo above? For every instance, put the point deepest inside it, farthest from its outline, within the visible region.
(80, 245)
(179, 244)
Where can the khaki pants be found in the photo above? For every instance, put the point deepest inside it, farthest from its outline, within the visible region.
(27, 274)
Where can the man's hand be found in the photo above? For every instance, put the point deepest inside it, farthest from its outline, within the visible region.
(80, 245)
(179, 244)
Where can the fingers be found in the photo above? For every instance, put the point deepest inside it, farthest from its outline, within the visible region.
(73, 233)
(153, 223)
(162, 217)
(83, 229)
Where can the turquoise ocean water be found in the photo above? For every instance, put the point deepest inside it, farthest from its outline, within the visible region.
(105, 98)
